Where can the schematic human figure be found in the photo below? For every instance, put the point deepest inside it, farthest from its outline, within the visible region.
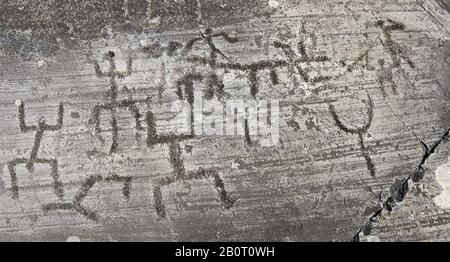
(385, 78)
(113, 103)
(40, 127)
(215, 86)
(185, 92)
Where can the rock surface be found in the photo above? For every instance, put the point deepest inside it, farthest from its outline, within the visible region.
(361, 85)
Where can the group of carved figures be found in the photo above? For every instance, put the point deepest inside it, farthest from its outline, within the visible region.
(215, 87)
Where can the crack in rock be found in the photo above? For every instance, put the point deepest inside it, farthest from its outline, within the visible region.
(401, 189)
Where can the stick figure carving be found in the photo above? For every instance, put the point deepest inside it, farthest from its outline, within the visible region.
(40, 127)
(215, 86)
(185, 91)
(385, 78)
(113, 104)
(77, 202)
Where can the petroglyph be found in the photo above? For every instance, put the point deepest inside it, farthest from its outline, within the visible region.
(395, 49)
(33, 159)
(155, 50)
(215, 86)
(113, 103)
(360, 131)
(385, 78)
(180, 174)
(185, 92)
(397, 52)
(134, 167)
(293, 62)
(296, 59)
(77, 202)
(362, 60)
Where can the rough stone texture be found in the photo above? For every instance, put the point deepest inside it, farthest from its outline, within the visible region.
(318, 184)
